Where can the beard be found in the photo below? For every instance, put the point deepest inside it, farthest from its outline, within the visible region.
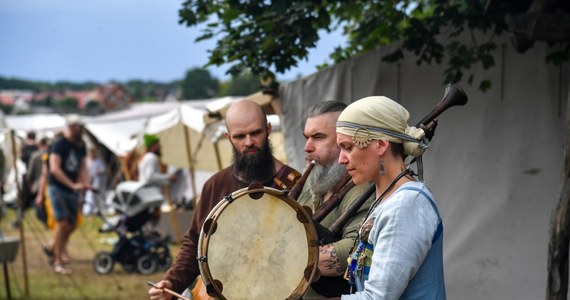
(325, 178)
(255, 167)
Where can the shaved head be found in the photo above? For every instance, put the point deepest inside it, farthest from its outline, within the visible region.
(244, 111)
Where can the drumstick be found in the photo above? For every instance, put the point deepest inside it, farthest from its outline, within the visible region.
(169, 291)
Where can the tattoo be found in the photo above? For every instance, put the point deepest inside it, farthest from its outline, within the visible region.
(329, 263)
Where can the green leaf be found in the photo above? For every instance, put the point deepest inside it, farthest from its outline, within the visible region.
(485, 85)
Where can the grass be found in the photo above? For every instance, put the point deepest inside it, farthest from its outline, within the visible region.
(84, 283)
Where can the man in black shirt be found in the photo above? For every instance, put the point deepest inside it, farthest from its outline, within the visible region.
(67, 177)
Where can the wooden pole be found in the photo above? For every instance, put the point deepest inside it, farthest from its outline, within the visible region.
(218, 158)
(172, 212)
(6, 280)
(124, 168)
(20, 212)
(189, 157)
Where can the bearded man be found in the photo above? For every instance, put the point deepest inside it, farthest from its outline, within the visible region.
(328, 180)
(248, 132)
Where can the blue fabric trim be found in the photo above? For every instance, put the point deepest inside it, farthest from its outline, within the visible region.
(439, 230)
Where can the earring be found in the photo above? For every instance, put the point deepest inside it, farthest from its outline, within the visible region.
(382, 167)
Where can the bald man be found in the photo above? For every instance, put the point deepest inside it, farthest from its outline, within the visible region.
(248, 132)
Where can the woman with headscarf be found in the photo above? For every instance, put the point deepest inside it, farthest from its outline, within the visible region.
(398, 253)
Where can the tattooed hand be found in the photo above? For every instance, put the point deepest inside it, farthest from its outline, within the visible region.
(329, 264)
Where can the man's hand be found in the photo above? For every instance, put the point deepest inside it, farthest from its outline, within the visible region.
(77, 186)
(39, 199)
(158, 293)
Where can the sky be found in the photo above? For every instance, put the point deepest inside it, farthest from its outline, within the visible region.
(103, 40)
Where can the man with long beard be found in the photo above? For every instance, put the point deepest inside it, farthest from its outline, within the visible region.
(329, 180)
(248, 132)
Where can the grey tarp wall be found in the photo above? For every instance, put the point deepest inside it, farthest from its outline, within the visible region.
(494, 165)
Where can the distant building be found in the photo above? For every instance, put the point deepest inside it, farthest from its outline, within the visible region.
(108, 97)
(111, 96)
(16, 97)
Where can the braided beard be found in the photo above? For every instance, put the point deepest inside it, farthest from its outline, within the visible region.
(325, 178)
(255, 167)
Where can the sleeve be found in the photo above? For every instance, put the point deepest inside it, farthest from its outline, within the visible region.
(58, 147)
(350, 230)
(185, 267)
(150, 170)
(401, 235)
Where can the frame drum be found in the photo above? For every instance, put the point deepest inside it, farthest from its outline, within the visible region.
(258, 243)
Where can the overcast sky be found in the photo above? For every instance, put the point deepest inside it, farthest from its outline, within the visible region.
(102, 40)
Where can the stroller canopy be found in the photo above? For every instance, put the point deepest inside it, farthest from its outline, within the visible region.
(133, 197)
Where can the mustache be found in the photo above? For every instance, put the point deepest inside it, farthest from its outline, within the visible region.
(250, 148)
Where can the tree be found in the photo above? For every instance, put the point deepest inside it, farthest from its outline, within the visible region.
(68, 104)
(242, 85)
(93, 107)
(199, 84)
(271, 36)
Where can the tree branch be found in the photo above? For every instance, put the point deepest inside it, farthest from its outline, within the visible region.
(557, 284)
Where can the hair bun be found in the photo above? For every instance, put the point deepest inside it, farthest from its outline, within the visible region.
(413, 148)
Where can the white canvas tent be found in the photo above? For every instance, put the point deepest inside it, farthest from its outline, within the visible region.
(494, 165)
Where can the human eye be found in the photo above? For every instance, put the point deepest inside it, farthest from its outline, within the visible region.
(256, 132)
(346, 148)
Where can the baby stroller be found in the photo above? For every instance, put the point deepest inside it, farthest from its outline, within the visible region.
(136, 204)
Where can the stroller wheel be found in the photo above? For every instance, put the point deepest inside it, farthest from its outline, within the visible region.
(147, 264)
(103, 262)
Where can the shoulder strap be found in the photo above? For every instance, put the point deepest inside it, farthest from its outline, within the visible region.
(285, 177)
(439, 230)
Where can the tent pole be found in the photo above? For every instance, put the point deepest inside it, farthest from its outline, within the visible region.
(190, 164)
(172, 212)
(218, 158)
(20, 213)
(124, 168)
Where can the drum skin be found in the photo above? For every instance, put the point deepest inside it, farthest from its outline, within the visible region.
(258, 244)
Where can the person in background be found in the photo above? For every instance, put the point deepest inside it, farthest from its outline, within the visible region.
(150, 174)
(96, 172)
(67, 177)
(34, 172)
(28, 147)
(248, 132)
(149, 165)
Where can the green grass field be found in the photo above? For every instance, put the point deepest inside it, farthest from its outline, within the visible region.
(84, 283)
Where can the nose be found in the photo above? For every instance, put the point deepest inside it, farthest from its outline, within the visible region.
(342, 158)
(309, 147)
(249, 141)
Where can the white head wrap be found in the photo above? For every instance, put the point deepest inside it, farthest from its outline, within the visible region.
(381, 118)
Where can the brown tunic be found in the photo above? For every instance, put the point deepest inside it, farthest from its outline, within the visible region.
(185, 267)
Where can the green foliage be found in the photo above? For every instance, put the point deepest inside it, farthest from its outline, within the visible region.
(6, 109)
(68, 104)
(150, 91)
(93, 107)
(272, 36)
(42, 86)
(263, 36)
(199, 84)
(242, 85)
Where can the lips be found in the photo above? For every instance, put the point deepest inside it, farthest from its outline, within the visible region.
(251, 151)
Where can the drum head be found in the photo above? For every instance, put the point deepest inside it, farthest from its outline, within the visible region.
(263, 248)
